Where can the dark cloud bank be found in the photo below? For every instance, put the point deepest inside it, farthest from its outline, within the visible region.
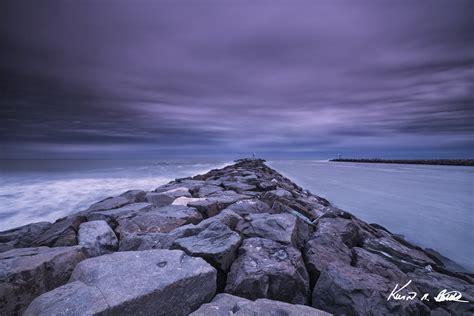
(136, 79)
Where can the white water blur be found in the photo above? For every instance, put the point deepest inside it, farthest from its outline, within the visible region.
(32, 196)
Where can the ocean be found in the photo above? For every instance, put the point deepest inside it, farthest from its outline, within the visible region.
(431, 206)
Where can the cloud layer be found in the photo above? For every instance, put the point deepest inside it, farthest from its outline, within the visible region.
(122, 79)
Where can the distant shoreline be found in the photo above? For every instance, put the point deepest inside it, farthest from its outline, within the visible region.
(440, 162)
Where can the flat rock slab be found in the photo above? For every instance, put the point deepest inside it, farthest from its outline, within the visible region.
(217, 244)
(26, 273)
(267, 269)
(278, 227)
(226, 304)
(159, 220)
(97, 237)
(151, 282)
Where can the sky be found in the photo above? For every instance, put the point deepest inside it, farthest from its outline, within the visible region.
(290, 79)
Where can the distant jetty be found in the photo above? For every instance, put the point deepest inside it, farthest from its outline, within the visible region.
(241, 240)
(440, 162)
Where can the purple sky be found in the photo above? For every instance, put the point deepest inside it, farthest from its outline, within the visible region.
(136, 79)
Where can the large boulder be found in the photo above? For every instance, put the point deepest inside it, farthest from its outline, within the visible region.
(167, 197)
(62, 233)
(158, 220)
(249, 206)
(278, 227)
(214, 203)
(97, 237)
(150, 240)
(267, 269)
(238, 186)
(26, 273)
(402, 255)
(128, 197)
(321, 250)
(217, 244)
(22, 237)
(152, 282)
(207, 190)
(226, 304)
(345, 290)
(111, 216)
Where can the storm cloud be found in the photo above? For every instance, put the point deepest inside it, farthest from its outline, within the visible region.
(287, 78)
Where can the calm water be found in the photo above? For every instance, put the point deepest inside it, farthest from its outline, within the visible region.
(430, 205)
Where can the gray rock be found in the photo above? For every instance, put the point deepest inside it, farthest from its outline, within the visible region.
(217, 244)
(271, 196)
(267, 186)
(22, 237)
(216, 202)
(271, 307)
(226, 304)
(62, 233)
(238, 186)
(191, 185)
(74, 298)
(166, 197)
(26, 273)
(143, 241)
(345, 290)
(159, 220)
(128, 197)
(267, 269)
(208, 190)
(249, 206)
(278, 227)
(376, 264)
(129, 210)
(170, 283)
(398, 252)
(433, 283)
(321, 250)
(97, 237)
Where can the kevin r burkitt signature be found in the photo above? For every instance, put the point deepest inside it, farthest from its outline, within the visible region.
(398, 294)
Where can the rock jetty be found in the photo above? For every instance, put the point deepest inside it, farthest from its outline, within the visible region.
(242, 240)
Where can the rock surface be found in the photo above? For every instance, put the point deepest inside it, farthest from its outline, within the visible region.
(278, 227)
(151, 282)
(263, 237)
(22, 236)
(158, 220)
(217, 244)
(97, 237)
(226, 304)
(267, 269)
(28, 272)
